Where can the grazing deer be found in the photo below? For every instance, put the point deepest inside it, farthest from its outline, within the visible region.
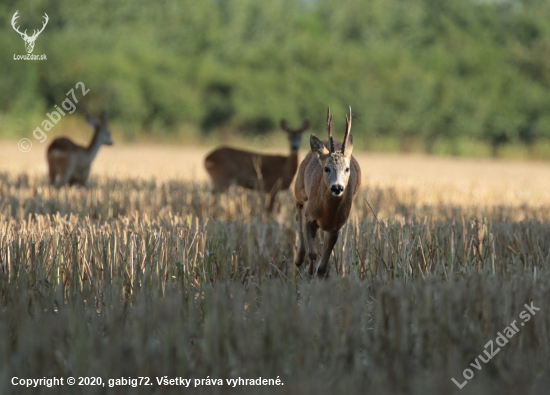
(270, 173)
(327, 182)
(70, 163)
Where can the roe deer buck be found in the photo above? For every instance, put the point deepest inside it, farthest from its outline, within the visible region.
(327, 182)
(70, 163)
(270, 173)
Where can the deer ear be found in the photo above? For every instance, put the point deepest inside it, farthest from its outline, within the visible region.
(284, 125)
(349, 146)
(305, 126)
(317, 147)
(91, 121)
(104, 118)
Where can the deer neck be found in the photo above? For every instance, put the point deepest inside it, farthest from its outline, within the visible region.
(291, 167)
(92, 149)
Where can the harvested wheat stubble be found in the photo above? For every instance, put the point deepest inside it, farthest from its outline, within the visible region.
(154, 277)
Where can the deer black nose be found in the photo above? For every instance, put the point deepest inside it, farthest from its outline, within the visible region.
(337, 189)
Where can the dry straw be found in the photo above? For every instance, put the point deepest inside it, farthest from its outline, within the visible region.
(102, 282)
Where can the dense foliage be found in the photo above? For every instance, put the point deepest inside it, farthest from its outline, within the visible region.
(415, 70)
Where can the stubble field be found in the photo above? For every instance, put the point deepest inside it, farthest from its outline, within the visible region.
(147, 274)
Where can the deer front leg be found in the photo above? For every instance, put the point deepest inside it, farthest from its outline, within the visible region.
(330, 241)
(301, 253)
(311, 232)
(84, 179)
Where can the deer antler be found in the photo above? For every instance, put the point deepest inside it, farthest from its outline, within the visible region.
(43, 25)
(329, 130)
(15, 16)
(24, 35)
(348, 128)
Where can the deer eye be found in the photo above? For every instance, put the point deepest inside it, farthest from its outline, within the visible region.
(327, 170)
(347, 169)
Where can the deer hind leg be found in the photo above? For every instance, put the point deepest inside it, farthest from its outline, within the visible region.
(52, 172)
(83, 180)
(62, 179)
(59, 169)
(220, 182)
(311, 232)
(64, 175)
(74, 181)
(301, 253)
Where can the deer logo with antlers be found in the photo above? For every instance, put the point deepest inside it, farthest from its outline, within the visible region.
(29, 41)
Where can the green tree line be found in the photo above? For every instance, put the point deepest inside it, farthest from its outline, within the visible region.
(413, 70)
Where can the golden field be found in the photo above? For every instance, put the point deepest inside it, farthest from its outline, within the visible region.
(437, 179)
(147, 274)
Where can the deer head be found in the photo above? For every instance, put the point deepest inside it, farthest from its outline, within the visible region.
(335, 164)
(29, 41)
(294, 136)
(102, 131)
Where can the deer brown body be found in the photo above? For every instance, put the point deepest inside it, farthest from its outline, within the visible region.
(70, 163)
(326, 185)
(251, 170)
